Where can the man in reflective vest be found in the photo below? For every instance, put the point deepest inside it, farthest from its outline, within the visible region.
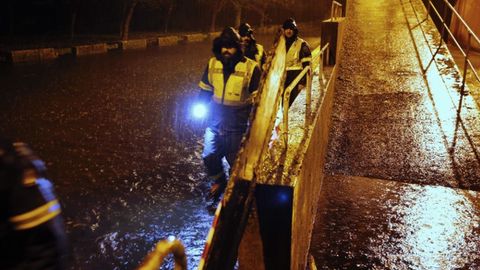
(250, 47)
(31, 229)
(298, 57)
(227, 84)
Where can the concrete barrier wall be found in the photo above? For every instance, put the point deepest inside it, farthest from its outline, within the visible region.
(258, 250)
(309, 181)
(169, 40)
(64, 51)
(34, 55)
(24, 56)
(213, 35)
(90, 49)
(312, 163)
(195, 37)
(113, 46)
(133, 44)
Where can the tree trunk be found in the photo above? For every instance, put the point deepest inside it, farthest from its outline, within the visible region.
(168, 16)
(216, 8)
(262, 19)
(263, 13)
(11, 18)
(73, 20)
(122, 16)
(128, 19)
(238, 15)
(213, 21)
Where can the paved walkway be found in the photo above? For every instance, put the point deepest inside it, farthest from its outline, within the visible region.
(404, 167)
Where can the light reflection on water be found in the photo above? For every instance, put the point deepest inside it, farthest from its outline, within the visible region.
(435, 225)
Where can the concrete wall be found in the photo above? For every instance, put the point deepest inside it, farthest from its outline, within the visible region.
(90, 49)
(64, 51)
(259, 250)
(195, 37)
(169, 40)
(34, 55)
(469, 10)
(311, 162)
(309, 181)
(133, 44)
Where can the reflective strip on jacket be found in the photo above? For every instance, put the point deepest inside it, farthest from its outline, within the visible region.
(236, 92)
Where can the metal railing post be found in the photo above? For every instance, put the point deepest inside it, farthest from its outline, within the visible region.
(428, 9)
(155, 259)
(465, 65)
(443, 20)
(334, 10)
(308, 104)
(331, 10)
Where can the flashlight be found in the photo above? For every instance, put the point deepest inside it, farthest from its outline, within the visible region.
(199, 110)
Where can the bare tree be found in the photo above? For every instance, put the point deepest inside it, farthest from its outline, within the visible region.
(261, 7)
(167, 6)
(239, 6)
(129, 8)
(215, 6)
(11, 17)
(169, 10)
(74, 6)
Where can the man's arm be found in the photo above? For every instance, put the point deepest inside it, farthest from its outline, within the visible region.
(305, 54)
(255, 80)
(206, 88)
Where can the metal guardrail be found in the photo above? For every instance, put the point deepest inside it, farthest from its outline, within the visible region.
(465, 51)
(155, 259)
(336, 10)
(317, 61)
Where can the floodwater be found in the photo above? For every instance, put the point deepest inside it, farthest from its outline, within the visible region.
(403, 183)
(120, 147)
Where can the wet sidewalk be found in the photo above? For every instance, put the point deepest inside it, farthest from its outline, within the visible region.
(403, 160)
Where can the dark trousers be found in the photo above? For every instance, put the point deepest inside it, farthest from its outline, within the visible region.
(218, 145)
(291, 75)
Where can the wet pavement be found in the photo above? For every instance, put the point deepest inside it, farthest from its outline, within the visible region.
(369, 223)
(120, 148)
(403, 166)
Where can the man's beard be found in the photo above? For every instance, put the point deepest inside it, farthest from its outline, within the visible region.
(229, 59)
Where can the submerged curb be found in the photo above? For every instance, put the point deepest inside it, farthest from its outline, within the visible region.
(47, 54)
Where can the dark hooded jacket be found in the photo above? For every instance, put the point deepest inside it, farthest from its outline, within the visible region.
(222, 117)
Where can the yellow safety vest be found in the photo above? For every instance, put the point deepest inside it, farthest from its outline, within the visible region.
(236, 92)
(293, 61)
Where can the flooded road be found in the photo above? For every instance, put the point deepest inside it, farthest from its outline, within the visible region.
(125, 158)
(119, 146)
(404, 170)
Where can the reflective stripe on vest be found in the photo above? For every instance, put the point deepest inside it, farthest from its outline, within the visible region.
(258, 56)
(36, 216)
(236, 91)
(292, 61)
